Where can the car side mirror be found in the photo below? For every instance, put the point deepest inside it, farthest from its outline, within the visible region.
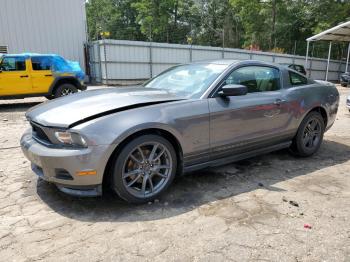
(233, 90)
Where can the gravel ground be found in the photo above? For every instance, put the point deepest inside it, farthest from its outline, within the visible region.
(253, 210)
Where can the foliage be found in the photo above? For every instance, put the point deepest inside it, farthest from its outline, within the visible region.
(280, 25)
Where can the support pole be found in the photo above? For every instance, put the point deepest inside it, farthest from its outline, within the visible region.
(347, 59)
(223, 43)
(311, 56)
(329, 57)
(105, 61)
(307, 54)
(150, 60)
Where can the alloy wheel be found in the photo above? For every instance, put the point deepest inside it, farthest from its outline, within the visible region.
(312, 134)
(66, 92)
(147, 169)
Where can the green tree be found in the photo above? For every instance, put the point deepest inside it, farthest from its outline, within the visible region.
(115, 16)
(268, 24)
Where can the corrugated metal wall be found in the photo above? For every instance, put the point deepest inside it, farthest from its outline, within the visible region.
(44, 26)
(119, 61)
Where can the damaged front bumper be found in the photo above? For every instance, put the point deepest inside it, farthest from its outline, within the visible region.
(64, 167)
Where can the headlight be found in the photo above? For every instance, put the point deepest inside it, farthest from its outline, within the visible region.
(70, 138)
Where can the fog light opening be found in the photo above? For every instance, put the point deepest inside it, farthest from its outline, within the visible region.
(63, 174)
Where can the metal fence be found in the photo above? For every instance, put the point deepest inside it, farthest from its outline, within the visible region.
(126, 62)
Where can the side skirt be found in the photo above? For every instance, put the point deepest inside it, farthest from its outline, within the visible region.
(237, 157)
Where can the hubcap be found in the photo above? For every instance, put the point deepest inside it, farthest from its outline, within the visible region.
(312, 134)
(147, 169)
(66, 91)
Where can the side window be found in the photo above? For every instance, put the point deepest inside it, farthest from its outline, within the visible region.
(256, 78)
(300, 69)
(40, 63)
(296, 79)
(13, 64)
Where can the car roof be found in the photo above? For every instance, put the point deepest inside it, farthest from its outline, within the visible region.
(29, 55)
(235, 61)
(218, 61)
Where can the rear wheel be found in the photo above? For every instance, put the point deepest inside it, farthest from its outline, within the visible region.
(309, 136)
(144, 169)
(65, 90)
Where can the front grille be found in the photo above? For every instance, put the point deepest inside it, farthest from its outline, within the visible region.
(39, 133)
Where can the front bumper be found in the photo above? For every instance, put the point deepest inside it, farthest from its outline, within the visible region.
(61, 166)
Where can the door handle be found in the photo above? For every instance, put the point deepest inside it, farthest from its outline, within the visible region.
(279, 101)
(48, 75)
(24, 76)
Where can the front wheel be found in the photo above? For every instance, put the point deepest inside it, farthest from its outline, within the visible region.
(65, 90)
(309, 136)
(144, 169)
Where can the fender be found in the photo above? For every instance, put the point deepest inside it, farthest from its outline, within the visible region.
(145, 127)
(65, 79)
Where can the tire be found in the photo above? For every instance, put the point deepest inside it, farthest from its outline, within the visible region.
(64, 90)
(344, 85)
(138, 180)
(309, 136)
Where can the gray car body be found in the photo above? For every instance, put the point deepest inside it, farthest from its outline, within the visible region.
(207, 131)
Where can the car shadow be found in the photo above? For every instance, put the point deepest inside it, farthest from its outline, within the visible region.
(17, 107)
(198, 188)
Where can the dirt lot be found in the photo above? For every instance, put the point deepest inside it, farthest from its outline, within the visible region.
(239, 212)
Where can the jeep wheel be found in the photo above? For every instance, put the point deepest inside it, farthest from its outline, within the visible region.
(65, 90)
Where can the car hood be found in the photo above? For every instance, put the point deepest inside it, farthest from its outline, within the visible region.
(74, 109)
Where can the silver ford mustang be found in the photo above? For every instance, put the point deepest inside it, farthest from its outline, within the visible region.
(137, 139)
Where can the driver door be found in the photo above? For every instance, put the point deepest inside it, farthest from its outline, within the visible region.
(244, 123)
(14, 76)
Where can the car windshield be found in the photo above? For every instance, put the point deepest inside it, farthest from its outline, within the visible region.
(190, 81)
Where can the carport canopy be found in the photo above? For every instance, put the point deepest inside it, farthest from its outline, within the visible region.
(339, 33)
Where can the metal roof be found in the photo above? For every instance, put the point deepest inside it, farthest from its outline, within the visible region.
(338, 33)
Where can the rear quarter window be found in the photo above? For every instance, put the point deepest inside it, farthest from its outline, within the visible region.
(296, 79)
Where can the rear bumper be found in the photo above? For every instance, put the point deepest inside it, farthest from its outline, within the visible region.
(61, 166)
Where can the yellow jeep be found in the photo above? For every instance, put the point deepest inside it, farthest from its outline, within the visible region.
(26, 75)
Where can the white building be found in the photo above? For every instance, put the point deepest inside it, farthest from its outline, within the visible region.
(44, 26)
